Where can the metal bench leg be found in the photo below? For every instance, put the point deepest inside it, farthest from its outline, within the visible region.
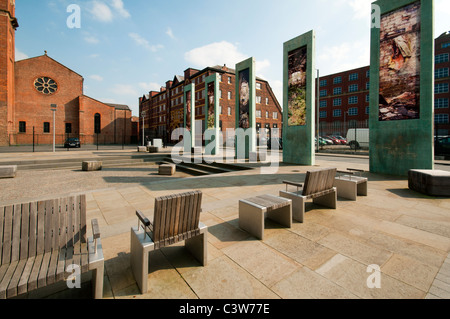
(198, 247)
(362, 189)
(139, 250)
(298, 205)
(329, 200)
(251, 219)
(282, 216)
(346, 189)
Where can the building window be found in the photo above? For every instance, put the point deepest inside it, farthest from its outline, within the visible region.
(353, 77)
(323, 83)
(353, 88)
(441, 103)
(220, 109)
(441, 118)
(323, 103)
(267, 101)
(368, 74)
(45, 85)
(258, 114)
(353, 100)
(229, 80)
(46, 127)
(68, 128)
(258, 100)
(97, 123)
(323, 93)
(337, 113)
(353, 111)
(446, 45)
(337, 91)
(337, 80)
(441, 88)
(258, 86)
(367, 110)
(323, 114)
(229, 111)
(367, 85)
(441, 58)
(337, 102)
(22, 127)
(441, 73)
(367, 98)
(275, 115)
(229, 95)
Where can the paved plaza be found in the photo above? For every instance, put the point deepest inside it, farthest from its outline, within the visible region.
(404, 233)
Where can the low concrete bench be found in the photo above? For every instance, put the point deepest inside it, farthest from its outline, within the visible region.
(350, 186)
(152, 149)
(142, 149)
(254, 211)
(90, 166)
(429, 182)
(167, 169)
(8, 171)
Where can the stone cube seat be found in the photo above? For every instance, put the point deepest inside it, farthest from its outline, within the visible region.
(167, 169)
(90, 166)
(429, 182)
(8, 171)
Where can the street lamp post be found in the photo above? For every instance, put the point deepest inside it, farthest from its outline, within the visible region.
(53, 108)
(318, 110)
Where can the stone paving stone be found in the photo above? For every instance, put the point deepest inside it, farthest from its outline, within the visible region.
(410, 271)
(353, 276)
(441, 227)
(264, 263)
(224, 279)
(356, 250)
(311, 231)
(307, 284)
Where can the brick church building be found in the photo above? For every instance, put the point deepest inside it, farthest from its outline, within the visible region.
(29, 88)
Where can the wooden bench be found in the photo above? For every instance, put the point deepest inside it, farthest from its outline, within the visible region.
(91, 166)
(176, 219)
(350, 186)
(318, 186)
(8, 171)
(39, 240)
(254, 211)
(429, 182)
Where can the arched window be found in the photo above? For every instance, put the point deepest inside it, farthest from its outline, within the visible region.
(98, 123)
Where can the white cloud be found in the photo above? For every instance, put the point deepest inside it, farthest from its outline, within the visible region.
(20, 55)
(144, 43)
(151, 86)
(125, 89)
(336, 59)
(91, 39)
(120, 8)
(169, 32)
(101, 11)
(261, 65)
(217, 53)
(361, 8)
(96, 77)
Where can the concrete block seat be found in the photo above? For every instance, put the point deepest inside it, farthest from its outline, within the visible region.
(254, 211)
(90, 166)
(350, 186)
(429, 182)
(167, 169)
(318, 186)
(152, 149)
(8, 171)
(142, 149)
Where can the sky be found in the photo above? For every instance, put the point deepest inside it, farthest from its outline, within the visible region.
(126, 48)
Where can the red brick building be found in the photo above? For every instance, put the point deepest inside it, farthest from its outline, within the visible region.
(344, 96)
(28, 89)
(164, 110)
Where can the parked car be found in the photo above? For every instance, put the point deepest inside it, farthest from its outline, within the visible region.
(341, 140)
(321, 141)
(334, 140)
(327, 140)
(72, 142)
(278, 142)
(358, 138)
(442, 146)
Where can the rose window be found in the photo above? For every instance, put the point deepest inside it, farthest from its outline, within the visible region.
(45, 85)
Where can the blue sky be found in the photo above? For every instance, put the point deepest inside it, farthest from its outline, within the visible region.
(126, 48)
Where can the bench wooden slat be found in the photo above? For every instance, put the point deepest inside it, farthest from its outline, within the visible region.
(40, 248)
(84, 258)
(33, 278)
(7, 232)
(2, 214)
(42, 276)
(13, 285)
(69, 258)
(83, 224)
(4, 283)
(22, 287)
(51, 273)
(61, 267)
(63, 223)
(25, 231)
(32, 241)
(15, 245)
(70, 218)
(55, 225)
(76, 222)
(48, 226)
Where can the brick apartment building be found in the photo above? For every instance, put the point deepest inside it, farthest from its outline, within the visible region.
(29, 87)
(344, 96)
(164, 110)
